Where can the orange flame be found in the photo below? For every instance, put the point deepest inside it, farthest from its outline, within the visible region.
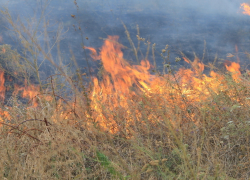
(28, 91)
(118, 79)
(3, 50)
(122, 82)
(234, 68)
(2, 87)
(246, 8)
(123, 75)
(123, 85)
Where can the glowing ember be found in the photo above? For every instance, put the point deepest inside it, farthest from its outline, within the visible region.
(246, 8)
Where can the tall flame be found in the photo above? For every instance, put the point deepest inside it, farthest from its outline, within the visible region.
(123, 75)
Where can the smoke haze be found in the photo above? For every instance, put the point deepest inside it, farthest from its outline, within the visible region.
(185, 25)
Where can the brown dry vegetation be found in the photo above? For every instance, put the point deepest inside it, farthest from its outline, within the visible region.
(159, 134)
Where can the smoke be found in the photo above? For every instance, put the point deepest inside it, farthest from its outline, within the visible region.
(186, 25)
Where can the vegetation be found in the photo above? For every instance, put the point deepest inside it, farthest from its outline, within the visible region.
(128, 124)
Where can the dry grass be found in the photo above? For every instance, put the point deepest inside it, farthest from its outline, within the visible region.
(39, 143)
(43, 143)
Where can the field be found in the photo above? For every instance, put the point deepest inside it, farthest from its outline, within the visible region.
(130, 120)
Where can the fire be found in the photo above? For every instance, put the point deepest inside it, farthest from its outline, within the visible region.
(246, 8)
(234, 68)
(123, 84)
(3, 50)
(28, 91)
(2, 87)
(118, 79)
(122, 74)
(124, 88)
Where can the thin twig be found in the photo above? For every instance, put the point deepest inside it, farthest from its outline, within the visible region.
(13, 127)
(31, 120)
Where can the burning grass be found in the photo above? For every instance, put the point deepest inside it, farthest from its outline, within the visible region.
(137, 126)
(129, 123)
